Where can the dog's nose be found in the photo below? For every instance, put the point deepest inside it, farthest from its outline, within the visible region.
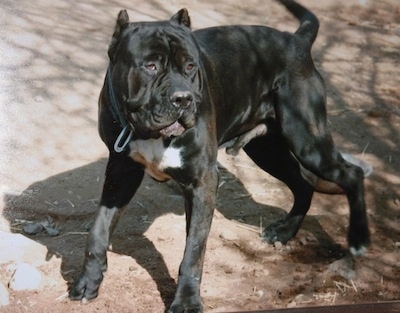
(182, 99)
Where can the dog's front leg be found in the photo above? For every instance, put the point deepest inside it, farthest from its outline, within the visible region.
(122, 179)
(199, 206)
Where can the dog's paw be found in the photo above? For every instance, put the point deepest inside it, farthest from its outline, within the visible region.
(360, 251)
(85, 288)
(358, 244)
(181, 308)
(359, 239)
(187, 302)
(282, 230)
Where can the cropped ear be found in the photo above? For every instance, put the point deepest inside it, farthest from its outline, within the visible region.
(122, 23)
(182, 18)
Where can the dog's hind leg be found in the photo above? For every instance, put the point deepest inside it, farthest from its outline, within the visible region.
(271, 153)
(122, 179)
(301, 111)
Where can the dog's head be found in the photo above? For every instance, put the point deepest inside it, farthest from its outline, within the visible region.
(155, 68)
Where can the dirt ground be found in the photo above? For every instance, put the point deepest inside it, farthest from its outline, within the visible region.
(52, 64)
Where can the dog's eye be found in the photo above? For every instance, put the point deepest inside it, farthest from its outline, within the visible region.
(189, 67)
(151, 67)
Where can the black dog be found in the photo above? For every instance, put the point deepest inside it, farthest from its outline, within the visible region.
(172, 96)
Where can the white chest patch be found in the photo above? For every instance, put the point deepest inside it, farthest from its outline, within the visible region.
(155, 157)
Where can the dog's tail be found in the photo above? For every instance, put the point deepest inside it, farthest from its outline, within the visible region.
(309, 23)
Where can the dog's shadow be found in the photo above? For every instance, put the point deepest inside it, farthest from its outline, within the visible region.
(68, 201)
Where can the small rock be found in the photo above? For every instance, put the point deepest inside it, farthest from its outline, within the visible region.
(4, 296)
(25, 277)
(343, 267)
(51, 231)
(45, 223)
(286, 250)
(299, 299)
(21, 249)
(33, 229)
(228, 235)
(278, 245)
(259, 293)
(227, 269)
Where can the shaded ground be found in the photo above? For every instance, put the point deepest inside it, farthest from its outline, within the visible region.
(53, 61)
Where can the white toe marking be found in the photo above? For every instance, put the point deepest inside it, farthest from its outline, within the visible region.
(358, 252)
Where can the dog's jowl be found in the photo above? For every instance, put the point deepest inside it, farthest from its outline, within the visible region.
(172, 97)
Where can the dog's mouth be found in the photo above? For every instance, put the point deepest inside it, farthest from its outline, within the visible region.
(167, 126)
(145, 130)
(174, 130)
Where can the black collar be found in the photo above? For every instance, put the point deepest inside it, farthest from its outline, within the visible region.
(116, 110)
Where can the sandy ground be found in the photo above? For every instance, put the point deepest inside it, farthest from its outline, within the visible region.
(52, 64)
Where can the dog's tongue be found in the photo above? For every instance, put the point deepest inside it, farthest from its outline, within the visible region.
(174, 129)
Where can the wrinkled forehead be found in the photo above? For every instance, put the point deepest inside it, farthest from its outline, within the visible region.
(159, 38)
